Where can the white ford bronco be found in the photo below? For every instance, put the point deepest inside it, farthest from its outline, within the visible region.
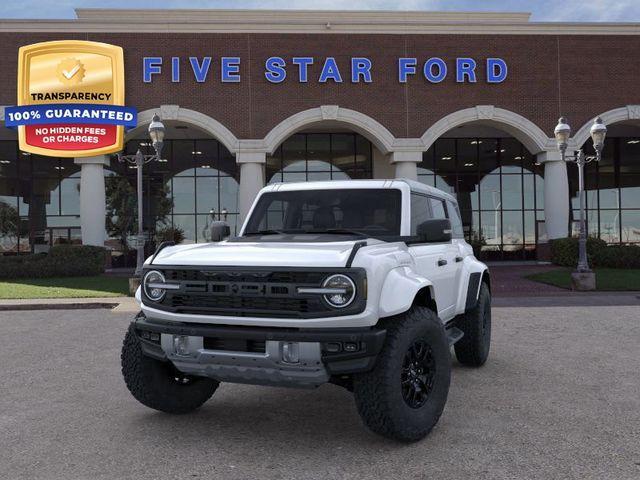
(363, 284)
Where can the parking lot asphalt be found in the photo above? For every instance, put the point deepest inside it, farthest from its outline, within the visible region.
(558, 398)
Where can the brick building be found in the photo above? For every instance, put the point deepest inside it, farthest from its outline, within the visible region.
(463, 101)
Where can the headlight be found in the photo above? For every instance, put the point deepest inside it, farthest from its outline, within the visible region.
(344, 290)
(150, 285)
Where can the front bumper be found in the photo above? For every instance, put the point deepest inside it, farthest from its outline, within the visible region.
(254, 355)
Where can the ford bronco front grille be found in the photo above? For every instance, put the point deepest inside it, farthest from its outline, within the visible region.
(240, 292)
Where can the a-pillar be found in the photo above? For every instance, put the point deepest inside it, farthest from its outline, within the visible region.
(406, 164)
(251, 179)
(93, 208)
(556, 194)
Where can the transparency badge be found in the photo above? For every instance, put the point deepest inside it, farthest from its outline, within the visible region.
(70, 99)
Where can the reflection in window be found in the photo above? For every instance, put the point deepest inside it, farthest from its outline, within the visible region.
(499, 190)
(320, 156)
(612, 191)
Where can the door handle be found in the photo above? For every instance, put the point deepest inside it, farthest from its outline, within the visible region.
(442, 262)
(458, 259)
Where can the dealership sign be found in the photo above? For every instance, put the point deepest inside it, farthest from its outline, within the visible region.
(323, 70)
(70, 99)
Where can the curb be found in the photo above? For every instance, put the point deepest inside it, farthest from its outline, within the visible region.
(57, 306)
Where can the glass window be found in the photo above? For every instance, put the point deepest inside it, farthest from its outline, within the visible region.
(318, 152)
(630, 190)
(207, 195)
(467, 153)
(610, 226)
(374, 210)
(511, 155)
(70, 196)
(420, 211)
(183, 190)
(456, 221)
(488, 155)
(445, 156)
(467, 192)
(512, 192)
(630, 221)
(184, 152)
(437, 208)
(320, 156)
(490, 198)
(187, 223)
(294, 153)
(629, 155)
(512, 228)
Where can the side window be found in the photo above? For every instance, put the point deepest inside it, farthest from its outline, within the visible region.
(437, 206)
(419, 211)
(456, 221)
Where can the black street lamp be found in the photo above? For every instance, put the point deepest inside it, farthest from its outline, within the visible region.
(156, 133)
(598, 132)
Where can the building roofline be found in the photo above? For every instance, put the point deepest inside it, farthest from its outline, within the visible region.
(310, 21)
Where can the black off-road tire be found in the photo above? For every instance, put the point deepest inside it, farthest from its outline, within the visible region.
(473, 348)
(380, 394)
(158, 384)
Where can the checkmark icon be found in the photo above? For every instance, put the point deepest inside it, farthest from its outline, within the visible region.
(71, 73)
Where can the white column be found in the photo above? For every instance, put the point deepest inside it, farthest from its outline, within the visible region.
(251, 179)
(406, 164)
(556, 194)
(93, 208)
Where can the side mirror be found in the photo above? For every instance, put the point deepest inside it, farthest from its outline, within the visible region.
(219, 231)
(436, 230)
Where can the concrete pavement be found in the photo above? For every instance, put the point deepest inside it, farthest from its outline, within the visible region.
(559, 398)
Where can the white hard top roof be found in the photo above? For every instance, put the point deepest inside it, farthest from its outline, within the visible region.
(399, 183)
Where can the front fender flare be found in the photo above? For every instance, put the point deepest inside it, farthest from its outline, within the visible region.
(399, 289)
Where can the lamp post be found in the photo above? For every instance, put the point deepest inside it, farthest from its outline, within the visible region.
(598, 132)
(156, 133)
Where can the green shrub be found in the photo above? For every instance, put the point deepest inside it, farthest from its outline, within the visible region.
(618, 256)
(564, 252)
(61, 261)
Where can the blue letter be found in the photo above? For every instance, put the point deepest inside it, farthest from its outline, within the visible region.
(175, 69)
(465, 66)
(275, 69)
(303, 63)
(200, 71)
(406, 66)
(428, 70)
(230, 69)
(496, 70)
(150, 66)
(360, 66)
(330, 71)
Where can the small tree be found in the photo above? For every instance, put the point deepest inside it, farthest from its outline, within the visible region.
(9, 221)
(122, 208)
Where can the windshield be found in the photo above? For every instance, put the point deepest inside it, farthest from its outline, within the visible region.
(357, 212)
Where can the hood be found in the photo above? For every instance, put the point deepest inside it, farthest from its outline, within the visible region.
(269, 254)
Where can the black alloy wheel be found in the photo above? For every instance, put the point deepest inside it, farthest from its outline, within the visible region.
(418, 374)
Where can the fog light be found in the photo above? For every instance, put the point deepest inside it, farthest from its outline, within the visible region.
(291, 352)
(181, 345)
(350, 347)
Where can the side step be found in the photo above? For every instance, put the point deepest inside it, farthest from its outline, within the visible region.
(454, 334)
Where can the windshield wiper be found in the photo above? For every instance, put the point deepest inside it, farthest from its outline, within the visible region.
(339, 231)
(265, 232)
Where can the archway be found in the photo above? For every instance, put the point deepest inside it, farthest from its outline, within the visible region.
(612, 186)
(521, 128)
(196, 181)
(495, 177)
(328, 116)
